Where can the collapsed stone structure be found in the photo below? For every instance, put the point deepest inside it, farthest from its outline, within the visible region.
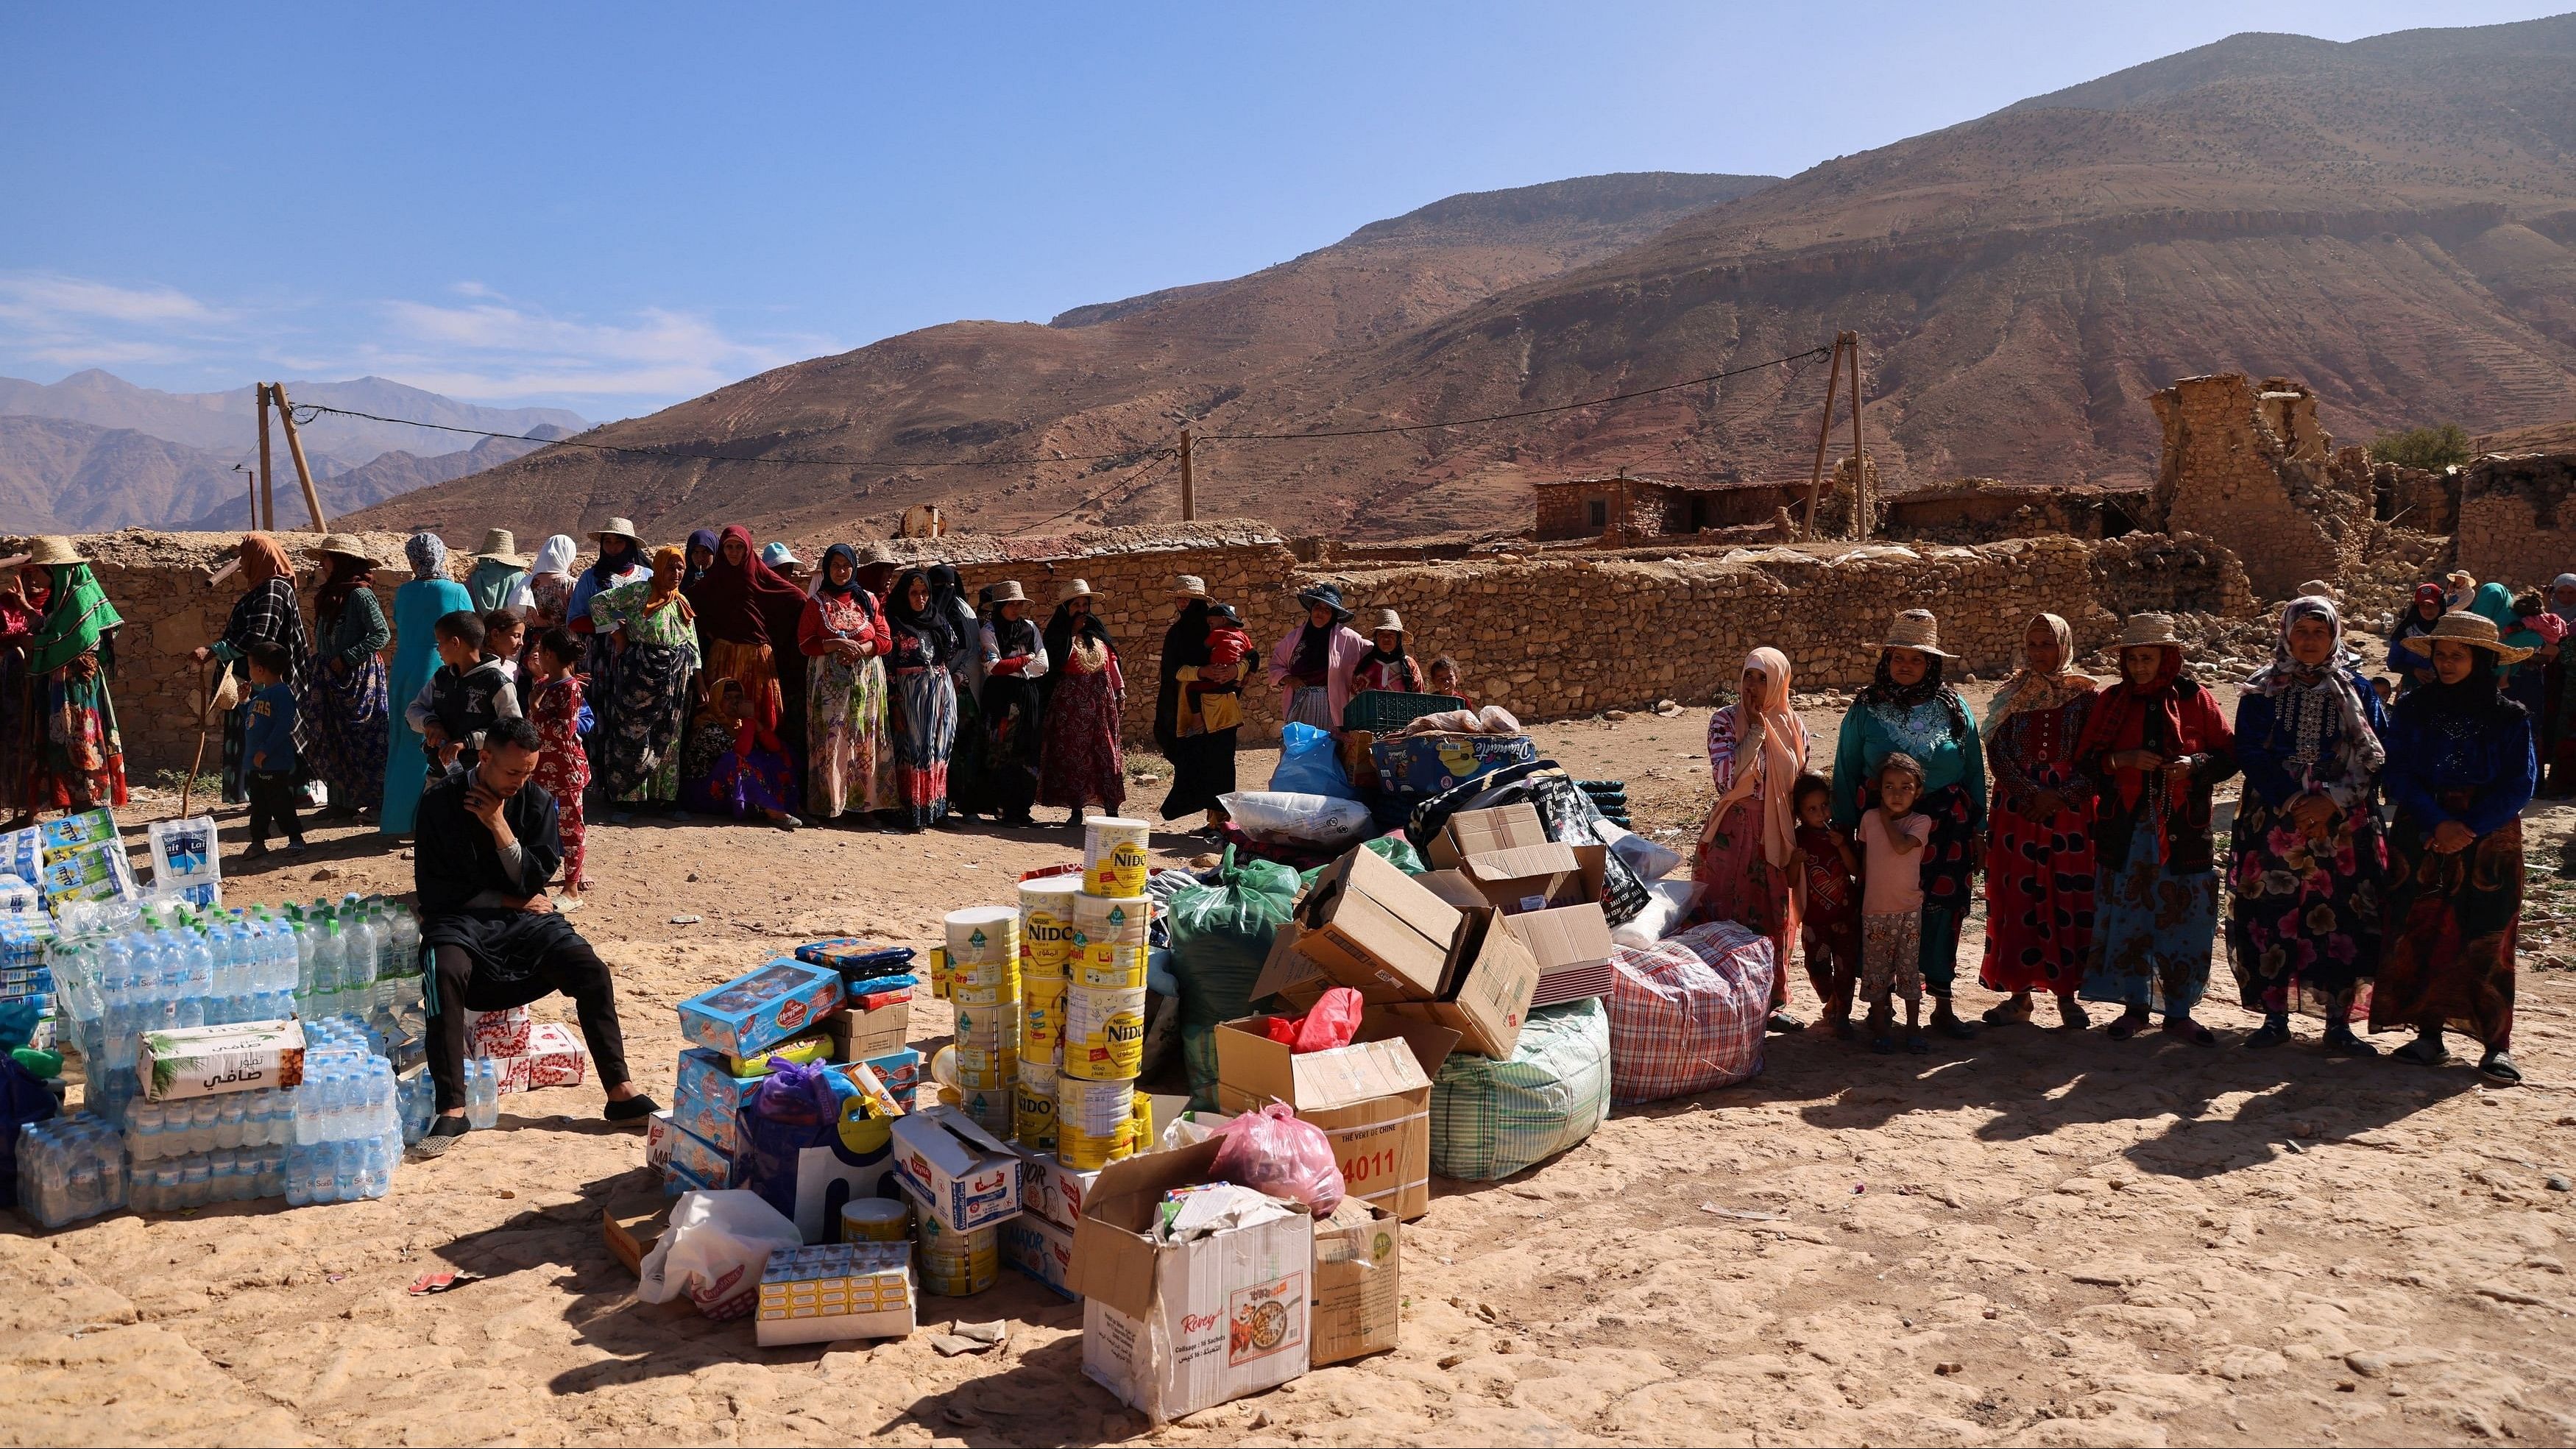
(1551, 633)
(2516, 522)
(1983, 510)
(2250, 468)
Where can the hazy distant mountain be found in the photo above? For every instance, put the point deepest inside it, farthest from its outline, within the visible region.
(66, 477)
(227, 423)
(380, 478)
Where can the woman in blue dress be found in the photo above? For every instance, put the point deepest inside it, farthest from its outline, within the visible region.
(418, 606)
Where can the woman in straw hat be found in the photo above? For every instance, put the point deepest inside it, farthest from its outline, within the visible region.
(1906, 709)
(1080, 764)
(2154, 748)
(622, 561)
(418, 606)
(498, 571)
(1312, 664)
(1386, 665)
(649, 631)
(844, 638)
(345, 719)
(2406, 657)
(1748, 862)
(2308, 870)
(2460, 769)
(1015, 660)
(2039, 845)
(76, 758)
(266, 613)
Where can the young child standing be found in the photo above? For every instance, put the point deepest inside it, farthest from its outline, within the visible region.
(270, 769)
(555, 708)
(504, 632)
(1829, 931)
(462, 699)
(1448, 678)
(1892, 836)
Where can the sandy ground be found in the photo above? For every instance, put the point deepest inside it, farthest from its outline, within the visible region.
(2033, 1237)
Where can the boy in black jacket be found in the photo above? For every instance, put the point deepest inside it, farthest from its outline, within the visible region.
(462, 699)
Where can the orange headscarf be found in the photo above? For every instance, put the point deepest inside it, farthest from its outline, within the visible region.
(676, 560)
(1777, 757)
(262, 560)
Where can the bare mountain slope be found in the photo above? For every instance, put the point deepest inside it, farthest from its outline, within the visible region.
(58, 476)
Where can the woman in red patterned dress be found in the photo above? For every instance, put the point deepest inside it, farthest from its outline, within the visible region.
(2039, 843)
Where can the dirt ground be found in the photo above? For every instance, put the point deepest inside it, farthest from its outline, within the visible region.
(2032, 1237)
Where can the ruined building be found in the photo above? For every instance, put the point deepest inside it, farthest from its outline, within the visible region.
(2251, 469)
(2516, 519)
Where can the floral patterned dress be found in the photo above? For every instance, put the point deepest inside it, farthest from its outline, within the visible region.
(1737, 883)
(845, 708)
(2304, 916)
(640, 756)
(564, 770)
(2039, 871)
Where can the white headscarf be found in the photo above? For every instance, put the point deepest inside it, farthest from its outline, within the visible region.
(555, 557)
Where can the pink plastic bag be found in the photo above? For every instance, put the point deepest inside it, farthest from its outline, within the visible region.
(1273, 1151)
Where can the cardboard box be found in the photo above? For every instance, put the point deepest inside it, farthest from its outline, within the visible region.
(1427, 764)
(554, 1058)
(900, 1071)
(677, 1180)
(1473, 832)
(705, 1096)
(1288, 973)
(762, 1008)
(1358, 1293)
(1376, 931)
(634, 1219)
(1372, 1098)
(206, 1061)
(1572, 946)
(1172, 1328)
(657, 1140)
(1492, 978)
(496, 1033)
(1041, 1249)
(702, 1161)
(866, 1034)
(966, 1177)
(97, 872)
(855, 959)
(828, 1291)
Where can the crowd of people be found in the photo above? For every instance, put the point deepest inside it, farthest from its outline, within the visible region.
(2373, 870)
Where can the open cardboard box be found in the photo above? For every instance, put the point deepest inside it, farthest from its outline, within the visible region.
(1358, 1289)
(1473, 832)
(1376, 930)
(1492, 977)
(1372, 1098)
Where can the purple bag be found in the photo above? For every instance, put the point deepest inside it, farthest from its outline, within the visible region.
(807, 1146)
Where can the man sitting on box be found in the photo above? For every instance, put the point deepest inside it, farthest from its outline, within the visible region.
(486, 847)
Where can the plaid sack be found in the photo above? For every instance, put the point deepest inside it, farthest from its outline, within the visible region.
(1687, 1013)
(1490, 1119)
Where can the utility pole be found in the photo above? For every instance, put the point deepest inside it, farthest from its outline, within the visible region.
(1824, 432)
(1189, 484)
(303, 473)
(250, 481)
(263, 503)
(1864, 497)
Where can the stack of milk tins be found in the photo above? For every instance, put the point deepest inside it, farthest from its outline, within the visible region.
(1104, 999)
(983, 972)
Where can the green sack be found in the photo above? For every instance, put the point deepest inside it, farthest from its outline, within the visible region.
(1397, 850)
(1490, 1119)
(1220, 936)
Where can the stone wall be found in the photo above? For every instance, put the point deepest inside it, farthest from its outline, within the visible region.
(2250, 468)
(1983, 510)
(2517, 517)
(2168, 574)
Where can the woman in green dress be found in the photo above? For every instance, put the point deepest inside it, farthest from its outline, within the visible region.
(654, 634)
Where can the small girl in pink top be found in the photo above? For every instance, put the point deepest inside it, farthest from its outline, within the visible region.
(1892, 835)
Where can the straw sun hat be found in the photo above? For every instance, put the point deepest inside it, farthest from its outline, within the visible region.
(1008, 591)
(1917, 630)
(54, 549)
(1389, 622)
(501, 546)
(2478, 632)
(1189, 586)
(1074, 589)
(618, 528)
(2144, 631)
(345, 545)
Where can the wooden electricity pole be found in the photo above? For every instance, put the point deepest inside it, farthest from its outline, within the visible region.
(1189, 484)
(263, 503)
(303, 472)
(1864, 497)
(1846, 345)
(1824, 431)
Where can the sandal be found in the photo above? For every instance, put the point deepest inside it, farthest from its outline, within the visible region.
(1783, 1022)
(2498, 1068)
(2423, 1052)
(2005, 1013)
(2341, 1042)
(2071, 1017)
(2192, 1031)
(2270, 1034)
(2131, 1022)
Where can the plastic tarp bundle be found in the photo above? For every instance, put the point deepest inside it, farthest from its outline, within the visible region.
(1220, 936)
(1283, 818)
(1490, 1119)
(1308, 765)
(1687, 1014)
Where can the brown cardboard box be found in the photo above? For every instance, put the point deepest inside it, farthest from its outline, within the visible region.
(1473, 832)
(1372, 1098)
(1492, 978)
(1566, 939)
(1525, 878)
(1374, 930)
(1288, 972)
(1358, 1291)
(859, 1035)
(634, 1218)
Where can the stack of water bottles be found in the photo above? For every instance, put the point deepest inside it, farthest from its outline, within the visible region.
(198, 1151)
(70, 1168)
(348, 1133)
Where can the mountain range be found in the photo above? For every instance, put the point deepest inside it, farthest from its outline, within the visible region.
(95, 452)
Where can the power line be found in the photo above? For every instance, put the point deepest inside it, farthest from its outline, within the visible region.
(1086, 502)
(1810, 355)
(785, 460)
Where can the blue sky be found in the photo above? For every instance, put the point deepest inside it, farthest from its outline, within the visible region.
(613, 207)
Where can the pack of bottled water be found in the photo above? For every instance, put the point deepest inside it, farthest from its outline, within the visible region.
(70, 1168)
(348, 1130)
(416, 1101)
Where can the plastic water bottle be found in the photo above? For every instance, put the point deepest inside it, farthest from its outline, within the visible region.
(483, 1100)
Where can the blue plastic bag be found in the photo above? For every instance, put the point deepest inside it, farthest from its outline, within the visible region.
(1308, 766)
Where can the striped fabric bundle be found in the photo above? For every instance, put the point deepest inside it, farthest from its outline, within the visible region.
(1688, 1013)
(1490, 1119)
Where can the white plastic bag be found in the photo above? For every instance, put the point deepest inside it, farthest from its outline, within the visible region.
(1276, 817)
(1668, 904)
(1650, 861)
(714, 1252)
(184, 860)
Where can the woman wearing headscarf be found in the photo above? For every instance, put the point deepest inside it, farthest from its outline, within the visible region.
(2521, 677)
(1080, 763)
(1312, 664)
(651, 632)
(2154, 748)
(1747, 863)
(266, 613)
(2407, 658)
(78, 759)
(1386, 665)
(746, 614)
(2308, 866)
(1202, 760)
(498, 571)
(543, 598)
(418, 606)
(1015, 663)
(921, 705)
(2039, 843)
(343, 707)
(26, 593)
(2460, 768)
(844, 638)
(621, 561)
(701, 556)
(969, 790)
(1906, 709)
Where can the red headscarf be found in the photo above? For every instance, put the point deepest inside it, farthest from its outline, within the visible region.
(262, 560)
(2192, 726)
(745, 603)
